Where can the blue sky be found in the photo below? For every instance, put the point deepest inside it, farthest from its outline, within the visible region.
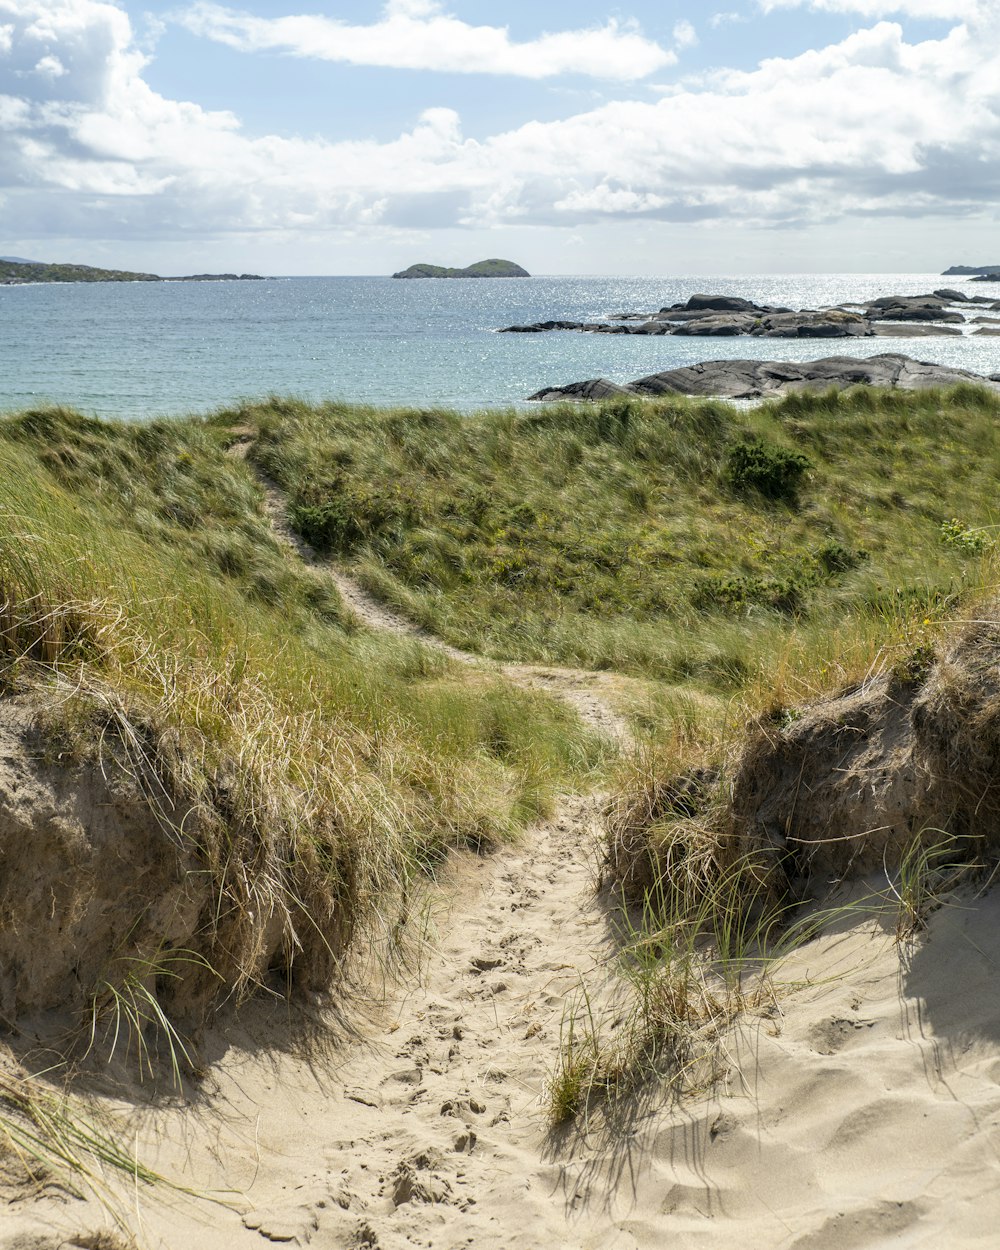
(669, 137)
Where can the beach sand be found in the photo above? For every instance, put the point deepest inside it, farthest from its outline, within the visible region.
(862, 1110)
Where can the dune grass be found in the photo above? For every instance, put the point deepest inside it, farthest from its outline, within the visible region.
(739, 561)
(315, 773)
(673, 539)
(146, 603)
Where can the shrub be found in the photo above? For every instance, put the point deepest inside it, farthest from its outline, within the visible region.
(773, 472)
(834, 557)
(962, 537)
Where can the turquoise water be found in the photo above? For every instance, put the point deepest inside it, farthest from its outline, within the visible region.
(148, 349)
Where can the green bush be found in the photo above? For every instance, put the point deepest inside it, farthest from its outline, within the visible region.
(773, 472)
(955, 533)
(342, 514)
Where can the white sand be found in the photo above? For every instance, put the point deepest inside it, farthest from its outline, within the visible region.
(866, 1114)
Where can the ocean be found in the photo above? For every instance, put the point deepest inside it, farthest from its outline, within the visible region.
(162, 349)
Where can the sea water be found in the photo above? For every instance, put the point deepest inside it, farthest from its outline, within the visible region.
(151, 349)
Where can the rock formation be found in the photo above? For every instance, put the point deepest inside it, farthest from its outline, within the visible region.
(763, 379)
(726, 316)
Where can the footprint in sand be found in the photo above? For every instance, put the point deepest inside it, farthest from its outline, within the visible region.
(830, 1036)
(296, 1224)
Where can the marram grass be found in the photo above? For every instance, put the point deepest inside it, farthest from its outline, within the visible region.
(146, 603)
(667, 538)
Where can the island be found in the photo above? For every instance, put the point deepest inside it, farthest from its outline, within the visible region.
(18, 273)
(957, 271)
(493, 268)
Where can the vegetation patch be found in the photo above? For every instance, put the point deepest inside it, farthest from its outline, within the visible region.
(286, 780)
(773, 472)
(676, 540)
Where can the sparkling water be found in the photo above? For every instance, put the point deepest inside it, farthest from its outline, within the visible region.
(147, 349)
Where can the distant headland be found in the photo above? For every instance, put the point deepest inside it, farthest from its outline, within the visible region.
(481, 269)
(964, 271)
(17, 272)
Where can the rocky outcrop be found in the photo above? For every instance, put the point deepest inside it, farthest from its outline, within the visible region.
(726, 316)
(963, 271)
(592, 388)
(762, 379)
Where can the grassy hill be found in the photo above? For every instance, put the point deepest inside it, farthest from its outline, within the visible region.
(14, 272)
(676, 540)
(161, 645)
(161, 633)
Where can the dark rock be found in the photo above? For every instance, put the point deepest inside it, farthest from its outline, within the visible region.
(538, 327)
(832, 323)
(911, 308)
(726, 316)
(919, 313)
(594, 388)
(908, 330)
(955, 297)
(757, 379)
(718, 303)
(645, 327)
(724, 325)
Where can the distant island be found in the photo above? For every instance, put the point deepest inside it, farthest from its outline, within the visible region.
(965, 271)
(16, 273)
(481, 269)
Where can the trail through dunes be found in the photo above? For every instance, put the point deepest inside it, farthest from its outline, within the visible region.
(586, 692)
(860, 1111)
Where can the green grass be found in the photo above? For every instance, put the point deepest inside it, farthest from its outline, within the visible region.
(687, 542)
(147, 608)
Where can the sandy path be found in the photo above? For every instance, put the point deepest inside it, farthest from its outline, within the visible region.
(439, 1129)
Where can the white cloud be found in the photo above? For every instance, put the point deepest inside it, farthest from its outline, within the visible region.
(685, 35)
(418, 34)
(51, 66)
(960, 10)
(726, 19)
(872, 125)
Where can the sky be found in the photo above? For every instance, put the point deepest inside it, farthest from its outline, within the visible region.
(660, 137)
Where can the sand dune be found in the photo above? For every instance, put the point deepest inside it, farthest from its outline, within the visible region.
(863, 1112)
(860, 1109)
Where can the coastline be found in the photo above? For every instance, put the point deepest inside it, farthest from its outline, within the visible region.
(193, 347)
